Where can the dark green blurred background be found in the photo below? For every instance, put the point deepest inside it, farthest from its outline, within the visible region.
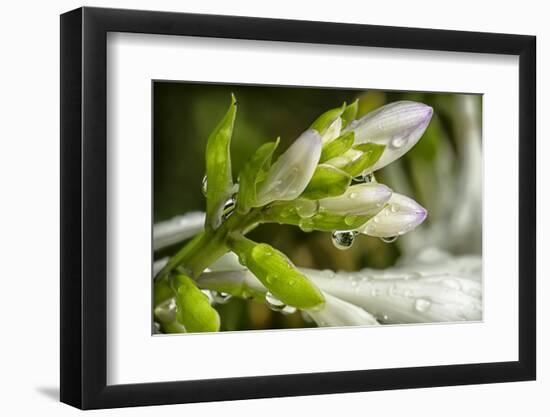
(186, 113)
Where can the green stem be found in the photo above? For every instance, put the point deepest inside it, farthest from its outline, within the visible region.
(208, 246)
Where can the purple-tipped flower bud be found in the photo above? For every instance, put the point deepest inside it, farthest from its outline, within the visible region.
(397, 125)
(399, 216)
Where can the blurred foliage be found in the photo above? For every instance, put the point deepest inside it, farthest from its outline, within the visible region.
(186, 113)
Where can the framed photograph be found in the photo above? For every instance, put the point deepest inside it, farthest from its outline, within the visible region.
(259, 208)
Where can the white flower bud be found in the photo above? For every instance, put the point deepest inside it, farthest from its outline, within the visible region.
(361, 200)
(399, 216)
(397, 125)
(290, 174)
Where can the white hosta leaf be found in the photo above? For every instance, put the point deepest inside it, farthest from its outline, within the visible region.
(399, 216)
(396, 296)
(397, 125)
(339, 313)
(290, 174)
(433, 261)
(360, 199)
(177, 229)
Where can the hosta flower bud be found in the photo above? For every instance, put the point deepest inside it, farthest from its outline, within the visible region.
(397, 125)
(399, 216)
(361, 199)
(290, 174)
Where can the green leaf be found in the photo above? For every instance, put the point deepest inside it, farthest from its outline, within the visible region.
(254, 172)
(371, 153)
(277, 273)
(327, 181)
(323, 122)
(337, 147)
(308, 217)
(350, 113)
(218, 167)
(193, 308)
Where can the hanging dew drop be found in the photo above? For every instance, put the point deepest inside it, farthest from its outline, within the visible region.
(274, 303)
(229, 207)
(398, 141)
(389, 239)
(359, 178)
(287, 310)
(220, 297)
(421, 305)
(209, 295)
(343, 239)
(306, 317)
(364, 177)
(204, 185)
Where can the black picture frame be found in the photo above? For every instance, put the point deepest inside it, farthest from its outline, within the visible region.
(84, 194)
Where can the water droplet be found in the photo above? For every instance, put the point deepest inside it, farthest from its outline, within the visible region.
(274, 303)
(343, 239)
(352, 195)
(204, 185)
(220, 297)
(208, 295)
(364, 177)
(350, 220)
(412, 275)
(271, 278)
(452, 284)
(229, 207)
(389, 239)
(306, 317)
(156, 328)
(306, 208)
(474, 292)
(394, 208)
(393, 290)
(422, 305)
(288, 310)
(328, 273)
(399, 141)
(306, 224)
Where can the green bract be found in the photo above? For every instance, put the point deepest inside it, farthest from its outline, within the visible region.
(327, 181)
(218, 167)
(337, 147)
(358, 159)
(350, 113)
(254, 172)
(277, 273)
(194, 311)
(323, 122)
